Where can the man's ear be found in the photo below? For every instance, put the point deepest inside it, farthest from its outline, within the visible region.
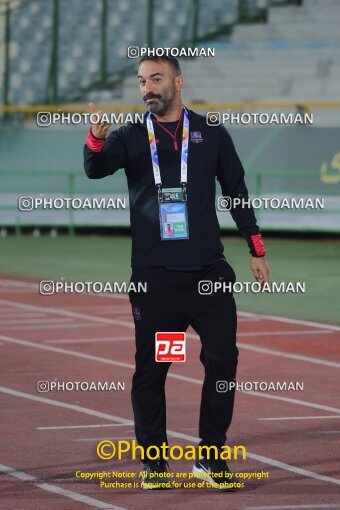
(179, 81)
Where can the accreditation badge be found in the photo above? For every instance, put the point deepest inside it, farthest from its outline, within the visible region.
(173, 214)
(172, 195)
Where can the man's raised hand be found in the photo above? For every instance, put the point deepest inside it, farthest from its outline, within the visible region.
(99, 128)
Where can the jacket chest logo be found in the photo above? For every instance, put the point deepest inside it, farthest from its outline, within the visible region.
(196, 136)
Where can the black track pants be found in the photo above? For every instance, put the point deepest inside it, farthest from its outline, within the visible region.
(172, 303)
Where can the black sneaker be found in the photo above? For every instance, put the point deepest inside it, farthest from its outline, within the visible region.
(156, 474)
(216, 474)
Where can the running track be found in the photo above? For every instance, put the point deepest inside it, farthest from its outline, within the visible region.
(46, 437)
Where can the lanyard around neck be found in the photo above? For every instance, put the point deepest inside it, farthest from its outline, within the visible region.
(172, 135)
(184, 152)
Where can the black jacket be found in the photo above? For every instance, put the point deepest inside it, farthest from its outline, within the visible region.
(213, 157)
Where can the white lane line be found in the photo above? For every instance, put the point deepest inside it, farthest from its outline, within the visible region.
(287, 418)
(323, 506)
(295, 401)
(130, 324)
(65, 405)
(121, 338)
(281, 354)
(90, 439)
(263, 350)
(7, 282)
(247, 319)
(77, 354)
(104, 307)
(287, 320)
(179, 435)
(20, 315)
(328, 432)
(75, 496)
(89, 340)
(19, 322)
(68, 313)
(58, 325)
(19, 291)
(60, 350)
(62, 427)
(247, 315)
(287, 333)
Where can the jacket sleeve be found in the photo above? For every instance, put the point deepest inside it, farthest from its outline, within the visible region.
(104, 157)
(230, 174)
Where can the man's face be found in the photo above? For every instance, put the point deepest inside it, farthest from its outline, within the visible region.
(159, 86)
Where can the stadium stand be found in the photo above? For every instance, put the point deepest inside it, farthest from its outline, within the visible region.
(266, 52)
(247, 68)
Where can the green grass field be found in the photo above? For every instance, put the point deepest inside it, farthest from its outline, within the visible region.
(103, 258)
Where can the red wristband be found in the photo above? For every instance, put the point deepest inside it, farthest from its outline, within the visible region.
(93, 143)
(259, 248)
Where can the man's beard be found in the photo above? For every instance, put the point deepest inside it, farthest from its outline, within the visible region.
(163, 104)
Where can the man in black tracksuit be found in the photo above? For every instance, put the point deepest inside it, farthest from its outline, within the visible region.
(173, 268)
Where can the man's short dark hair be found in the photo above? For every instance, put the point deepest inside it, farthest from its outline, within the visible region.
(164, 58)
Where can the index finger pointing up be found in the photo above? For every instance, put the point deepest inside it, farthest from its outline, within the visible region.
(93, 108)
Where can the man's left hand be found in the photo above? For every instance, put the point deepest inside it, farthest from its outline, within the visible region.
(260, 269)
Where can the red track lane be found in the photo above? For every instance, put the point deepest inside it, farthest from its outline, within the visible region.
(66, 326)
